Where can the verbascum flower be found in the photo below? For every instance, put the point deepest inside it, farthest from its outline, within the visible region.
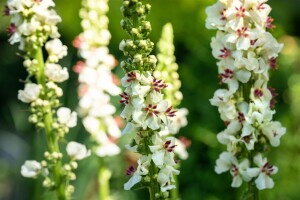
(97, 81)
(245, 52)
(146, 111)
(33, 27)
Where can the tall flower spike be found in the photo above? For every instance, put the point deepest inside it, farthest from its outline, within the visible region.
(146, 113)
(245, 53)
(33, 27)
(97, 84)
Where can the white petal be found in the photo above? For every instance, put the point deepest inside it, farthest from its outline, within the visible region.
(31, 168)
(236, 181)
(158, 158)
(77, 151)
(132, 181)
(263, 182)
(253, 172)
(243, 75)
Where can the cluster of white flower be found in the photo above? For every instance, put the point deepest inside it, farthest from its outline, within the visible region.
(32, 24)
(147, 115)
(167, 70)
(246, 52)
(97, 82)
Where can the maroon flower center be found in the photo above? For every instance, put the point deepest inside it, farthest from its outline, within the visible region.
(129, 171)
(170, 112)
(225, 53)
(242, 32)
(240, 11)
(261, 6)
(258, 92)
(269, 24)
(151, 110)
(267, 168)
(227, 74)
(12, 28)
(222, 13)
(241, 117)
(131, 76)
(168, 146)
(158, 85)
(235, 170)
(273, 63)
(125, 98)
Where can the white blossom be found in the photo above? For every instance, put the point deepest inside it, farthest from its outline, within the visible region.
(31, 169)
(263, 172)
(228, 162)
(30, 93)
(67, 117)
(56, 73)
(77, 151)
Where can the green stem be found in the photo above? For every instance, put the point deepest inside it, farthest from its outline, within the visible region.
(153, 187)
(52, 139)
(253, 193)
(103, 180)
(175, 191)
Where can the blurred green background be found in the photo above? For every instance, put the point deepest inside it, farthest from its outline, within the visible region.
(198, 72)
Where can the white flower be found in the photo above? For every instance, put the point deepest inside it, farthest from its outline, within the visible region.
(56, 73)
(273, 131)
(142, 169)
(106, 146)
(242, 37)
(56, 50)
(77, 151)
(248, 136)
(165, 178)
(264, 171)
(30, 93)
(162, 150)
(216, 16)
(31, 169)
(134, 77)
(228, 162)
(179, 120)
(66, 117)
(180, 149)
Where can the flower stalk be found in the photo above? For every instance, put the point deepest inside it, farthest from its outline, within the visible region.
(147, 114)
(34, 28)
(97, 85)
(246, 52)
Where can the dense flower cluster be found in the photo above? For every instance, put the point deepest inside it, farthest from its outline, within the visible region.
(246, 52)
(97, 82)
(146, 112)
(32, 24)
(167, 70)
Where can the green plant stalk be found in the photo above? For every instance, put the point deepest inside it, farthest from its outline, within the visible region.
(153, 187)
(175, 191)
(103, 180)
(52, 139)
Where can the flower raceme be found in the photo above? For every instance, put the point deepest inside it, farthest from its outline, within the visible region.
(245, 52)
(33, 26)
(148, 113)
(97, 82)
(144, 105)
